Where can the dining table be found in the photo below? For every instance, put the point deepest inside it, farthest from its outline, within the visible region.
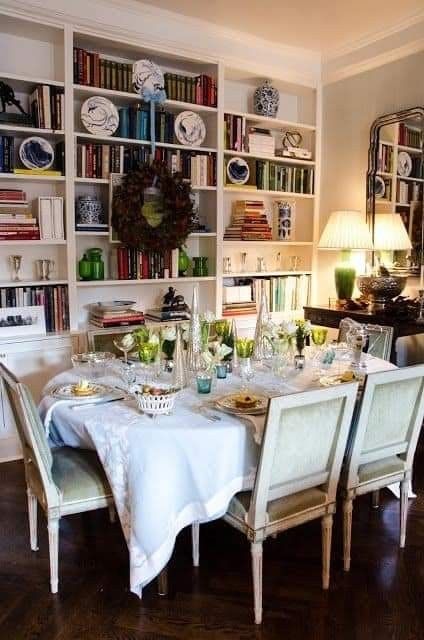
(171, 471)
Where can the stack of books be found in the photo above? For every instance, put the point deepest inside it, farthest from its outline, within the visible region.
(234, 132)
(130, 264)
(261, 142)
(16, 221)
(48, 107)
(239, 308)
(95, 71)
(92, 228)
(54, 299)
(249, 222)
(197, 90)
(6, 154)
(157, 315)
(50, 216)
(122, 318)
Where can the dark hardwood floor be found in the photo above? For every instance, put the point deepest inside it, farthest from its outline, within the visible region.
(381, 599)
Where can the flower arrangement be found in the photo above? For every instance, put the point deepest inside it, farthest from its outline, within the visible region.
(303, 331)
(216, 353)
(147, 344)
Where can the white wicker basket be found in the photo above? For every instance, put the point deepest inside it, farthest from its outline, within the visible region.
(155, 405)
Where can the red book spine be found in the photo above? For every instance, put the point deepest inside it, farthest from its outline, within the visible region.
(145, 266)
(119, 257)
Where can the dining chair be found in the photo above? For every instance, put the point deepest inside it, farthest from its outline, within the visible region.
(383, 442)
(63, 481)
(380, 337)
(299, 466)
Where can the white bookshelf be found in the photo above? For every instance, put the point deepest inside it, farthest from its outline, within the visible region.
(43, 54)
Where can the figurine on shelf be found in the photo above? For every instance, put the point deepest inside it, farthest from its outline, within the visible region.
(171, 302)
(8, 99)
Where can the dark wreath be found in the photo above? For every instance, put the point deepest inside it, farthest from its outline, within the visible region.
(152, 222)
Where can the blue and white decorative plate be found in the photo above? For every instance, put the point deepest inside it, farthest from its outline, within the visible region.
(99, 116)
(238, 171)
(148, 81)
(189, 128)
(36, 153)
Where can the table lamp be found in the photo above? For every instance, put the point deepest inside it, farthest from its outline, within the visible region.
(389, 235)
(346, 231)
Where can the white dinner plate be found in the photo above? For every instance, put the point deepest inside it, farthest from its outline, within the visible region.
(65, 392)
(228, 404)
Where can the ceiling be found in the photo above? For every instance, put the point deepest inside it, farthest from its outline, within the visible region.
(320, 25)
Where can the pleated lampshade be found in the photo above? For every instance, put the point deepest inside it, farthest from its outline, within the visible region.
(346, 230)
(390, 233)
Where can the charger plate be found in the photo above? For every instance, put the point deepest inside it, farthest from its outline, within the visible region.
(228, 404)
(65, 392)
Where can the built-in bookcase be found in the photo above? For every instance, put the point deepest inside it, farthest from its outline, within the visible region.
(32, 53)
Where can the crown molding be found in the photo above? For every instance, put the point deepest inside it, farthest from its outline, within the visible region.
(128, 21)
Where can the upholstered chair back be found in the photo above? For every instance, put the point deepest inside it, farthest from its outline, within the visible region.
(390, 419)
(303, 445)
(37, 455)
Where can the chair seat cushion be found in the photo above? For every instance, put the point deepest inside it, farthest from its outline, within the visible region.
(380, 469)
(281, 508)
(79, 475)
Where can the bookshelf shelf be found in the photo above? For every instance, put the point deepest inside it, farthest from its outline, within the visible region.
(33, 177)
(271, 123)
(182, 147)
(409, 179)
(403, 147)
(31, 243)
(30, 131)
(124, 96)
(110, 139)
(23, 82)
(91, 234)
(276, 159)
(113, 283)
(264, 274)
(31, 283)
(402, 204)
(91, 180)
(280, 243)
(263, 192)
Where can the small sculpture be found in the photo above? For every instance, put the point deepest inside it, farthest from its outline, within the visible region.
(171, 302)
(7, 97)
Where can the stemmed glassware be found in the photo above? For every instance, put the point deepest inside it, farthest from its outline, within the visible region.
(125, 344)
(245, 348)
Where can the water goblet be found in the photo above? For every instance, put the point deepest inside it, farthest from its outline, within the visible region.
(125, 344)
(247, 372)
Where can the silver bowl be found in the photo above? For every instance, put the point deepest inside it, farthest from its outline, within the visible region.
(379, 290)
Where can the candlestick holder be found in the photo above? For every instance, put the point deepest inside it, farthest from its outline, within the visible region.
(420, 319)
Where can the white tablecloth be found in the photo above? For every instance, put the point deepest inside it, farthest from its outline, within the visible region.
(169, 472)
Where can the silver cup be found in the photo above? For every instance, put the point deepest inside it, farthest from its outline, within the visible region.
(45, 267)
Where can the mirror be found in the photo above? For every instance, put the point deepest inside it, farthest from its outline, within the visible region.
(395, 181)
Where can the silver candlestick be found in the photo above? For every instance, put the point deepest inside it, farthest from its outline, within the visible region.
(16, 262)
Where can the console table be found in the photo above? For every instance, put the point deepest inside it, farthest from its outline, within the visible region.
(331, 316)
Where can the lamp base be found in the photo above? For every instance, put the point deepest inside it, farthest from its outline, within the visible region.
(344, 277)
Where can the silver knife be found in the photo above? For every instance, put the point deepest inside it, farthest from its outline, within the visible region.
(76, 407)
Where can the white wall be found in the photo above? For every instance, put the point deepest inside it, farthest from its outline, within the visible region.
(349, 108)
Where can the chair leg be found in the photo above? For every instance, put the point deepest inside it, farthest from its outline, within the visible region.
(163, 582)
(347, 531)
(256, 551)
(326, 529)
(112, 512)
(195, 532)
(404, 490)
(53, 529)
(375, 499)
(32, 516)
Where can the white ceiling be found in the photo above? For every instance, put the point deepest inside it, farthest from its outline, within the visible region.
(320, 25)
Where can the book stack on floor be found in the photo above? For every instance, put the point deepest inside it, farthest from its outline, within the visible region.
(50, 216)
(95, 71)
(117, 318)
(16, 221)
(131, 264)
(54, 299)
(197, 90)
(260, 142)
(48, 107)
(6, 154)
(249, 222)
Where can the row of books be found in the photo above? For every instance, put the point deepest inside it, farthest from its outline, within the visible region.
(277, 177)
(131, 264)
(234, 132)
(197, 90)
(385, 158)
(100, 160)
(7, 159)
(134, 122)
(285, 293)
(48, 107)
(200, 172)
(50, 218)
(410, 136)
(417, 167)
(98, 71)
(54, 299)
(248, 221)
(104, 319)
(407, 191)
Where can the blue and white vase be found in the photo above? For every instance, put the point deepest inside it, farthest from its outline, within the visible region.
(89, 210)
(266, 100)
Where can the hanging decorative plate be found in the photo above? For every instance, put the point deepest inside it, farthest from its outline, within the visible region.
(404, 164)
(238, 171)
(36, 153)
(190, 128)
(148, 80)
(380, 187)
(99, 116)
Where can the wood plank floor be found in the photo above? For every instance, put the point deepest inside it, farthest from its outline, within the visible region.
(381, 599)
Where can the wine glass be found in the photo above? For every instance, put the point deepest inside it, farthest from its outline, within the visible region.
(319, 338)
(125, 344)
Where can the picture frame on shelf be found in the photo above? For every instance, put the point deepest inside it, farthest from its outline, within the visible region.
(22, 321)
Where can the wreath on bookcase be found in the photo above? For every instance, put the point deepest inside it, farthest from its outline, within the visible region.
(152, 210)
